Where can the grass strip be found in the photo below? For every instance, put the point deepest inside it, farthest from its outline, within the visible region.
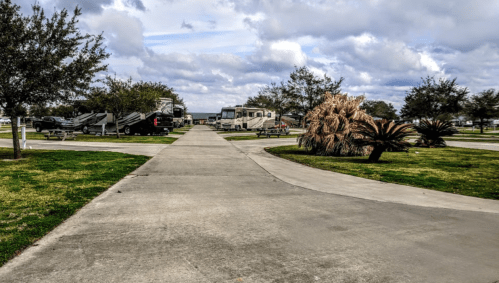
(44, 188)
(94, 138)
(255, 137)
(469, 172)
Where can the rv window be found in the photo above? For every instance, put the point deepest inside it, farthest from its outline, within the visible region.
(250, 114)
(239, 114)
(228, 114)
(269, 114)
(259, 114)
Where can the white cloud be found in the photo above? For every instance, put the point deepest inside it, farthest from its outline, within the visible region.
(228, 49)
(123, 33)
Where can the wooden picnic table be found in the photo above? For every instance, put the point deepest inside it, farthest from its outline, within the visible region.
(61, 134)
(271, 132)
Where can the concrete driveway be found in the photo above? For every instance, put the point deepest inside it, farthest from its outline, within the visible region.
(202, 210)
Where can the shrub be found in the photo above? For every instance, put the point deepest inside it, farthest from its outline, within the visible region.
(332, 127)
(432, 133)
(382, 135)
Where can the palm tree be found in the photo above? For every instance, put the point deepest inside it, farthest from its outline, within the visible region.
(382, 135)
(332, 125)
(432, 133)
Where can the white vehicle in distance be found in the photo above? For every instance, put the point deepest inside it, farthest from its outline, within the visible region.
(245, 118)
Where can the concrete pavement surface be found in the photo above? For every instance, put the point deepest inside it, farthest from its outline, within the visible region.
(147, 149)
(203, 211)
(320, 180)
(475, 145)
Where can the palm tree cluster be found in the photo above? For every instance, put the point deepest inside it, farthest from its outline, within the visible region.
(332, 129)
(432, 132)
(339, 127)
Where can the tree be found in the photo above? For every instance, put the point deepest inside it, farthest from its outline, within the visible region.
(379, 108)
(308, 90)
(274, 97)
(259, 101)
(382, 135)
(165, 92)
(39, 111)
(122, 97)
(435, 101)
(332, 129)
(483, 106)
(66, 111)
(43, 60)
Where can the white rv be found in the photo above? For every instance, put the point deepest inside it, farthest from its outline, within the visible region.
(247, 118)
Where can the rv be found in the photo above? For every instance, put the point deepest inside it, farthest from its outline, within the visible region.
(178, 116)
(218, 125)
(211, 120)
(247, 118)
(158, 122)
(188, 119)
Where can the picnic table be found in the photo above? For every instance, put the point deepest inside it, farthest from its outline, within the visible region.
(272, 132)
(61, 134)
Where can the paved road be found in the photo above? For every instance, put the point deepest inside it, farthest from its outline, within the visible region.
(203, 211)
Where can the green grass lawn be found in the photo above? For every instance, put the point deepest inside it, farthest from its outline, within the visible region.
(470, 172)
(255, 137)
(178, 132)
(184, 128)
(93, 138)
(44, 188)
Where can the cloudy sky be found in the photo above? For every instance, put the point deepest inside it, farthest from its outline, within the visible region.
(217, 53)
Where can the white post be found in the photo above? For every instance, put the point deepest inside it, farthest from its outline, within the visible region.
(103, 129)
(23, 135)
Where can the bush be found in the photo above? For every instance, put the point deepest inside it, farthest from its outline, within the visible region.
(432, 133)
(332, 129)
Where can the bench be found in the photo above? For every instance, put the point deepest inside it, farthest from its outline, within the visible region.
(61, 134)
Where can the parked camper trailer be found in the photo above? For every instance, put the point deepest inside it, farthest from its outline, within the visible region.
(249, 118)
(211, 120)
(178, 116)
(158, 122)
(188, 119)
(218, 124)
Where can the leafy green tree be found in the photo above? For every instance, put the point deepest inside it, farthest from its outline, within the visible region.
(66, 111)
(274, 97)
(39, 111)
(43, 60)
(308, 90)
(122, 97)
(483, 106)
(259, 101)
(432, 100)
(380, 109)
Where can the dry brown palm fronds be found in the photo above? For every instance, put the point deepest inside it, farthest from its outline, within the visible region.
(332, 126)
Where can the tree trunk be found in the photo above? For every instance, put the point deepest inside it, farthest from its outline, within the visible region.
(481, 126)
(117, 129)
(15, 138)
(376, 154)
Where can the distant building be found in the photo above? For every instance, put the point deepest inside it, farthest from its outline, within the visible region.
(201, 118)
